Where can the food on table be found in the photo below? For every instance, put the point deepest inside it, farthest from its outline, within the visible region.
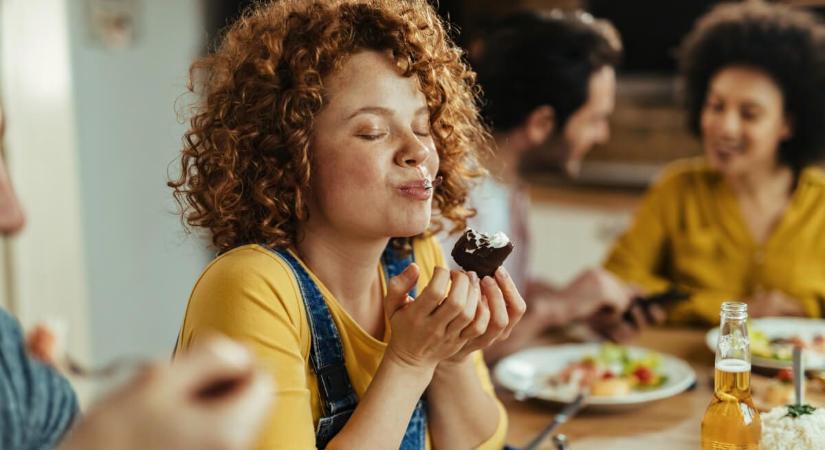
(611, 372)
(779, 391)
(481, 252)
(781, 347)
(793, 427)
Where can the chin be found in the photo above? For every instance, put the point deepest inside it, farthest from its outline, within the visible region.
(727, 169)
(410, 228)
(408, 231)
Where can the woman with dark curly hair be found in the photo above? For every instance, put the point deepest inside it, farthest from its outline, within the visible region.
(744, 222)
(327, 134)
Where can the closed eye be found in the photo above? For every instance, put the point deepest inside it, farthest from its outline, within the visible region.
(371, 136)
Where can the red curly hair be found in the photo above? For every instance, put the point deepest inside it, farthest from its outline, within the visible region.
(245, 164)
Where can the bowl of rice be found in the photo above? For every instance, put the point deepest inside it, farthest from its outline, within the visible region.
(788, 428)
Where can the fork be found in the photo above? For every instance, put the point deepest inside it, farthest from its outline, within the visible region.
(562, 417)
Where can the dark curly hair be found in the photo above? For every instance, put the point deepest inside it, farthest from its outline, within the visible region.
(785, 43)
(246, 163)
(530, 59)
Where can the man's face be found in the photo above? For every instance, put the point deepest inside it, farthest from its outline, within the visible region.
(589, 125)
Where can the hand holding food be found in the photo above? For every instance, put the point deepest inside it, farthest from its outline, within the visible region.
(428, 329)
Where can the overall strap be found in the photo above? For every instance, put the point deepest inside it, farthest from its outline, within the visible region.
(395, 262)
(326, 353)
(415, 437)
(327, 357)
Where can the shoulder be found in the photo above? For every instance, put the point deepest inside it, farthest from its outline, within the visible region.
(811, 190)
(248, 271)
(814, 177)
(244, 285)
(249, 263)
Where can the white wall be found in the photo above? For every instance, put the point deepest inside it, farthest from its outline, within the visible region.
(140, 265)
(45, 262)
(568, 239)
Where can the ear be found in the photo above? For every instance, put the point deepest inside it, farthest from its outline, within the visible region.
(539, 124)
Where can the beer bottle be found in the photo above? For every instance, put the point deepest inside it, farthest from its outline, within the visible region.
(731, 422)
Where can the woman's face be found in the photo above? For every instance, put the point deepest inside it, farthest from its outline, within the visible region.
(743, 121)
(372, 153)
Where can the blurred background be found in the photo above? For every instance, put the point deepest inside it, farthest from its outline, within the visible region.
(94, 92)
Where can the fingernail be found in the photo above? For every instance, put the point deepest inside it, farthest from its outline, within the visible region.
(473, 277)
(230, 352)
(502, 273)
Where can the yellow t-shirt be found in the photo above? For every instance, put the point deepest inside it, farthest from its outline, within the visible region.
(251, 295)
(689, 232)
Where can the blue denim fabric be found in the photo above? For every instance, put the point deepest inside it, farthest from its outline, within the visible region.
(37, 405)
(327, 359)
(415, 437)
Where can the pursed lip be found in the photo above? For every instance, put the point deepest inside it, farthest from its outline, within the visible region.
(420, 189)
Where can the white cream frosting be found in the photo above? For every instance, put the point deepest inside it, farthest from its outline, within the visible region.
(497, 240)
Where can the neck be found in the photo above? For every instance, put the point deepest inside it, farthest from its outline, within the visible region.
(764, 185)
(503, 161)
(348, 267)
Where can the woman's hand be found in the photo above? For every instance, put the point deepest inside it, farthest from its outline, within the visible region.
(774, 303)
(429, 329)
(500, 309)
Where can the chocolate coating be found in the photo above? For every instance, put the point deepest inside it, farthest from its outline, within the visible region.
(473, 252)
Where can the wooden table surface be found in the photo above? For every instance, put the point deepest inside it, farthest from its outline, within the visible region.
(671, 424)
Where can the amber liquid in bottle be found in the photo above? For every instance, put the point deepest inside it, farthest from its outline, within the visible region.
(731, 422)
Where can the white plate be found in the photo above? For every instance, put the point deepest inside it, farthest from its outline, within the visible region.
(519, 373)
(781, 327)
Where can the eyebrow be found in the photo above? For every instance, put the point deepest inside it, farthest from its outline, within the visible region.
(750, 103)
(381, 111)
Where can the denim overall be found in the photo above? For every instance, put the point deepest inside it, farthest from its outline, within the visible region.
(327, 358)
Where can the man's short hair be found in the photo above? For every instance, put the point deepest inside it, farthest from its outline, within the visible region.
(531, 59)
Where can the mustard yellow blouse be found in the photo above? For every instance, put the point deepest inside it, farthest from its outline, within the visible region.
(689, 233)
(251, 295)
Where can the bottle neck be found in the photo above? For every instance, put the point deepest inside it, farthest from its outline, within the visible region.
(734, 342)
(733, 357)
(732, 379)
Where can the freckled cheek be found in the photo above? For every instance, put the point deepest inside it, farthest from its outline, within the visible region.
(350, 181)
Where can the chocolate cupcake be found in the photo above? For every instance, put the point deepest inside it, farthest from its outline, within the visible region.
(481, 252)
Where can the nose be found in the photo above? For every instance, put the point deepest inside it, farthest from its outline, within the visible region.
(412, 152)
(729, 123)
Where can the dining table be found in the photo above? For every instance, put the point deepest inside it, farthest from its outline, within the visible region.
(668, 424)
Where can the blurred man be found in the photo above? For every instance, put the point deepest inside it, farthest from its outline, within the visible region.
(548, 81)
(211, 398)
